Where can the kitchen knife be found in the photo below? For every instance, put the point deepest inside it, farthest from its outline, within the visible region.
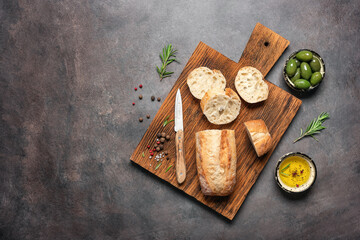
(179, 140)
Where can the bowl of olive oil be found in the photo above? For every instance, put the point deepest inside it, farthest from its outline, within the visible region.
(295, 172)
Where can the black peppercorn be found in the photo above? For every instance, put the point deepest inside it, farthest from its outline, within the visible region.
(158, 135)
(148, 116)
(159, 99)
(161, 146)
(140, 96)
(141, 119)
(166, 152)
(152, 98)
(167, 158)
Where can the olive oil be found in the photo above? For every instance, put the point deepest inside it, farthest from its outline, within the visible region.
(297, 173)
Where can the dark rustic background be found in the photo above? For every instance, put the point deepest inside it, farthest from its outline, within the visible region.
(68, 69)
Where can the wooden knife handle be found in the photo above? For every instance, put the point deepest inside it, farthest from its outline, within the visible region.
(180, 160)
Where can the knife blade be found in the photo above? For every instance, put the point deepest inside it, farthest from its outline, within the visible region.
(178, 112)
(179, 140)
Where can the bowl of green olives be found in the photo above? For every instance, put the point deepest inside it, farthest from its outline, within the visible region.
(304, 70)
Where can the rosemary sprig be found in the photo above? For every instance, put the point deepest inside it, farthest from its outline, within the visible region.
(314, 127)
(166, 121)
(168, 168)
(157, 166)
(286, 167)
(282, 170)
(167, 57)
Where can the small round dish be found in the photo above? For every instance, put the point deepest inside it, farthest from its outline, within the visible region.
(295, 172)
(322, 71)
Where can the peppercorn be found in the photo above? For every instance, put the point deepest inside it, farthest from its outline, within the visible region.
(140, 86)
(152, 98)
(167, 137)
(135, 89)
(140, 96)
(158, 149)
(163, 134)
(148, 146)
(158, 135)
(152, 154)
(161, 146)
(166, 152)
(167, 158)
(155, 145)
(158, 142)
(162, 140)
(141, 119)
(159, 99)
(133, 103)
(148, 116)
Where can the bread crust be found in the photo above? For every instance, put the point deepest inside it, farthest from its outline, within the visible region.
(231, 113)
(216, 161)
(259, 136)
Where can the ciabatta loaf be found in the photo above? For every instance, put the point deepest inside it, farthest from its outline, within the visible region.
(251, 86)
(201, 79)
(216, 161)
(259, 136)
(220, 106)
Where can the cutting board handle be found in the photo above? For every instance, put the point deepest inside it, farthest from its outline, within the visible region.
(263, 49)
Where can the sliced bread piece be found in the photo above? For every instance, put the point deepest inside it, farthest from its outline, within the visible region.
(220, 106)
(201, 79)
(251, 86)
(259, 136)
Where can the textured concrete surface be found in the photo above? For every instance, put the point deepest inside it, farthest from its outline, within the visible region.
(68, 69)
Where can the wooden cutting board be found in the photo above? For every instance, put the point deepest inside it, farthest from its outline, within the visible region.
(262, 51)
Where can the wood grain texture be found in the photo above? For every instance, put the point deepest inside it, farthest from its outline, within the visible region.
(277, 112)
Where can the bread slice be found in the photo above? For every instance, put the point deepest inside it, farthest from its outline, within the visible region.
(259, 136)
(216, 161)
(201, 79)
(220, 106)
(251, 86)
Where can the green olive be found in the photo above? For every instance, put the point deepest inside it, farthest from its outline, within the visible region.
(296, 76)
(316, 77)
(297, 62)
(305, 70)
(315, 64)
(304, 56)
(291, 68)
(302, 84)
